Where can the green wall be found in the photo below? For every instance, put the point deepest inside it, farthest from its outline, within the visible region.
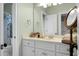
(60, 8)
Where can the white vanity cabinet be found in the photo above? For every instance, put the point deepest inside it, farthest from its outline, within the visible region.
(61, 54)
(28, 51)
(39, 47)
(28, 48)
(44, 52)
(62, 49)
(45, 45)
(44, 48)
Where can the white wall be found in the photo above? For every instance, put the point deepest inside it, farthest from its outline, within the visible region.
(25, 13)
(60, 8)
(38, 19)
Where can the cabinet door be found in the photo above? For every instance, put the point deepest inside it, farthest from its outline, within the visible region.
(28, 51)
(61, 54)
(28, 42)
(45, 45)
(62, 48)
(41, 52)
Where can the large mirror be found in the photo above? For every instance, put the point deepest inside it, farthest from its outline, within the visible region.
(44, 23)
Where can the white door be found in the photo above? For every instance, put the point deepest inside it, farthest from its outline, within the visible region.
(15, 39)
(5, 38)
(51, 24)
(15, 49)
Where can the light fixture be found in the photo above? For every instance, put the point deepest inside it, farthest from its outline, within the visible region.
(54, 4)
(45, 5)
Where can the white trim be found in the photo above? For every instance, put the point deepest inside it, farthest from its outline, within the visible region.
(2, 26)
(43, 13)
(59, 20)
(15, 43)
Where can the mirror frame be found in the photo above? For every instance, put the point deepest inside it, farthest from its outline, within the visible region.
(74, 24)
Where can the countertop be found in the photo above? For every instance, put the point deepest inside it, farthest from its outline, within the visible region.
(54, 39)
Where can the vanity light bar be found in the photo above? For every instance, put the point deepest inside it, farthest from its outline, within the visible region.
(45, 5)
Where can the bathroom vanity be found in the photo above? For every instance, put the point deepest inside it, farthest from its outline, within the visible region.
(44, 47)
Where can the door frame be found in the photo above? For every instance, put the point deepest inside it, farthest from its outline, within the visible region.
(15, 47)
(59, 21)
(2, 26)
(15, 42)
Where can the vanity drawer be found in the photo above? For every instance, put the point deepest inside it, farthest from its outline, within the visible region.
(45, 45)
(28, 51)
(61, 54)
(42, 52)
(28, 43)
(63, 48)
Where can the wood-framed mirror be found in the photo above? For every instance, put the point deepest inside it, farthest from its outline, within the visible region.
(71, 19)
(71, 22)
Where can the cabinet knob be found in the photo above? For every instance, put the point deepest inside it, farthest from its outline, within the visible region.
(3, 45)
(14, 37)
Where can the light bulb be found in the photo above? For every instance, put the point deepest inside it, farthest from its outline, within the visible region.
(59, 3)
(45, 6)
(54, 4)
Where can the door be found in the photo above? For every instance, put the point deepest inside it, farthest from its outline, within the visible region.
(51, 24)
(6, 29)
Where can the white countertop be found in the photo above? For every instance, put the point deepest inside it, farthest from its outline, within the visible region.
(55, 39)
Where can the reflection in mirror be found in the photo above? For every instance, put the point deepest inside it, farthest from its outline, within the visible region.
(38, 19)
(71, 17)
(43, 22)
(46, 20)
